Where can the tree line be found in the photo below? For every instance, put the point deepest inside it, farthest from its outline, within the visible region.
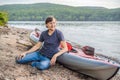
(39, 12)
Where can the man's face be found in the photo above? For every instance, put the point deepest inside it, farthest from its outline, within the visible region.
(51, 25)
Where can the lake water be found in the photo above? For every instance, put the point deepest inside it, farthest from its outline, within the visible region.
(103, 36)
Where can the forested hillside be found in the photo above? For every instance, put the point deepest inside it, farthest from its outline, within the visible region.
(38, 12)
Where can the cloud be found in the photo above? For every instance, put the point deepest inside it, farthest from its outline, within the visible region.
(101, 3)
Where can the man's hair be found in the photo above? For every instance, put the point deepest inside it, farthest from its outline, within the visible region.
(49, 19)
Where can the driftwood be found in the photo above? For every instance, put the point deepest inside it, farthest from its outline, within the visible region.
(24, 43)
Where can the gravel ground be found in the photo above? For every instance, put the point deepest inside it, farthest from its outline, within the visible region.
(9, 70)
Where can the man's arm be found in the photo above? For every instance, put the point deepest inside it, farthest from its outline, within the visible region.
(63, 50)
(34, 48)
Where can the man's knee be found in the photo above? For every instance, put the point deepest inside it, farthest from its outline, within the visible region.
(42, 65)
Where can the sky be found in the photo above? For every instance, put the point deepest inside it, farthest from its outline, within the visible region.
(99, 3)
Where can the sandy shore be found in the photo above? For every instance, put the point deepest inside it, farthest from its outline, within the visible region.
(9, 70)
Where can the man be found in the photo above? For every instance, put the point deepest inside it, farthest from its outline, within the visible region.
(47, 55)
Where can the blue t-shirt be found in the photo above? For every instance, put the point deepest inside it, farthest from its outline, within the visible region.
(51, 42)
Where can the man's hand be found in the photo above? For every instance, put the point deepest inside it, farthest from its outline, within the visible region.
(53, 60)
(21, 55)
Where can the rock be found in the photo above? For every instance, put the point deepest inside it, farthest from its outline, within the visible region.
(4, 30)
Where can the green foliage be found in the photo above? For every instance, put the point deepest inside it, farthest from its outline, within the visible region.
(39, 12)
(3, 18)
